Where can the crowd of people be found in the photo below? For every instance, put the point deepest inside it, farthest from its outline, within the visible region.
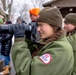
(41, 47)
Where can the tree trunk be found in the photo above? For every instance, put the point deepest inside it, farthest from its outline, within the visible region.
(7, 16)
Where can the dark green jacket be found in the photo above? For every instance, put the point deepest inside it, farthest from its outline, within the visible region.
(55, 58)
(72, 40)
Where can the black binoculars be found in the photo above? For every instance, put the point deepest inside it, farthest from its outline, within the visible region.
(11, 27)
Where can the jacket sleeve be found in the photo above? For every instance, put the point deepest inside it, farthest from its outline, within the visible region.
(6, 37)
(49, 62)
(72, 40)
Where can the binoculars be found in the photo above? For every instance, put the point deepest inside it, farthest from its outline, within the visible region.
(11, 27)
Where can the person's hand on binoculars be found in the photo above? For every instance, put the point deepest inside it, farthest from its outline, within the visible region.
(19, 30)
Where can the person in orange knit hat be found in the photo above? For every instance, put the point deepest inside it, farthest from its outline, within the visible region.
(34, 35)
(34, 13)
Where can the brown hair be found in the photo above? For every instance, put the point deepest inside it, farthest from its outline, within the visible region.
(58, 33)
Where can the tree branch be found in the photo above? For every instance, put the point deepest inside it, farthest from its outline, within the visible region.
(4, 4)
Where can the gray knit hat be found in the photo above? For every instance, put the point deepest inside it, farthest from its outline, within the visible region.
(19, 18)
(70, 18)
(50, 15)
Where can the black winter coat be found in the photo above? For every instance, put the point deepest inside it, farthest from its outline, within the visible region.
(6, 44)
(32, 35)
(1, 42)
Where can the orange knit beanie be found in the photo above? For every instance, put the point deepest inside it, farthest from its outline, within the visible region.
(34, 11)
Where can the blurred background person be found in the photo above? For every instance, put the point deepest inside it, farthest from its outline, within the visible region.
(20, 20)
(1, 57)
(34, 14)
(5, 52)
(70, 28)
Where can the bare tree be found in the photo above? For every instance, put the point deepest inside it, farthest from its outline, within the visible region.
(24, 12)
(22, 8)
(26, 7)
(7, 5)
